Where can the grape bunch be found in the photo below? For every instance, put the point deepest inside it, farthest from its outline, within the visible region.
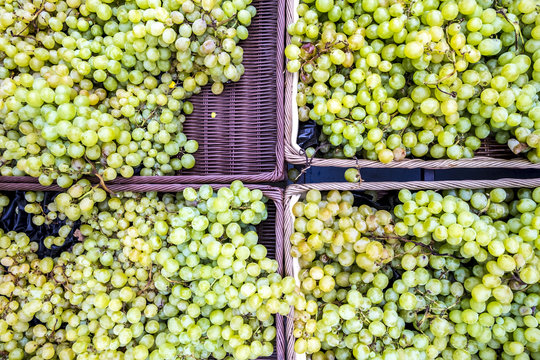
(443, 275)
(79, 199)
(154, 277)
(389, 80)
(103, 87)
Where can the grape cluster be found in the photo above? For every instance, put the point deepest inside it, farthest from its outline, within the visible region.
(386, 80)
(153, 277)
(102, 87)
(452, 275)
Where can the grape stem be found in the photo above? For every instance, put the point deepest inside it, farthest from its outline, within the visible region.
(432, 251)
(409, 7)
(63, 283)
(32, 21)
(174, 281)
(101, 181)
(89, 192)
(309, 160)
(223, 22)
(326, 49)
(148, 117)
(502, 11)
(51, 336)
(147, 283)
(452, 94)
(186, 357)
(424, 317)
(351, 121)
(427, 314)
(358, 176)
(518, 279)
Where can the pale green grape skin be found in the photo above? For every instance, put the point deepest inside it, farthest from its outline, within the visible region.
(352, 175)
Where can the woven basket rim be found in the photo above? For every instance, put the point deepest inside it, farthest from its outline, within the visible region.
(294, 192)
(294, 154)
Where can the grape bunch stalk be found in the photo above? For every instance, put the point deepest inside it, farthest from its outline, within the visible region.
(452, 275)
(103, 87)
(387, 80)
(171, 276)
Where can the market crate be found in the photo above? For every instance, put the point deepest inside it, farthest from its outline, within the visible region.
(244, 141)
(240, 132)
(270, 231)
(490, 155)
(294, 193)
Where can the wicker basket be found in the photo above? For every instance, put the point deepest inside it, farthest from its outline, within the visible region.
(244, 141)
(295, 192)
(270, 231)
(490, 154)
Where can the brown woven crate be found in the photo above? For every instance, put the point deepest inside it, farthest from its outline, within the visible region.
(245, 139)
(490, 155)
(294, 193)
(270, 231)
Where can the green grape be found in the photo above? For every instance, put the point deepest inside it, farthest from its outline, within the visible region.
(352, 175)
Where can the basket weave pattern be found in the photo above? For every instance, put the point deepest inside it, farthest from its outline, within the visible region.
(294, 192)
(490, 154)
(270, 231)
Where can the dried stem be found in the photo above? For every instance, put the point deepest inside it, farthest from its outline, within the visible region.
(309, 161)
(148, 283)
(431, 250)
(31, 21)
(101, 181)
(517, 30)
